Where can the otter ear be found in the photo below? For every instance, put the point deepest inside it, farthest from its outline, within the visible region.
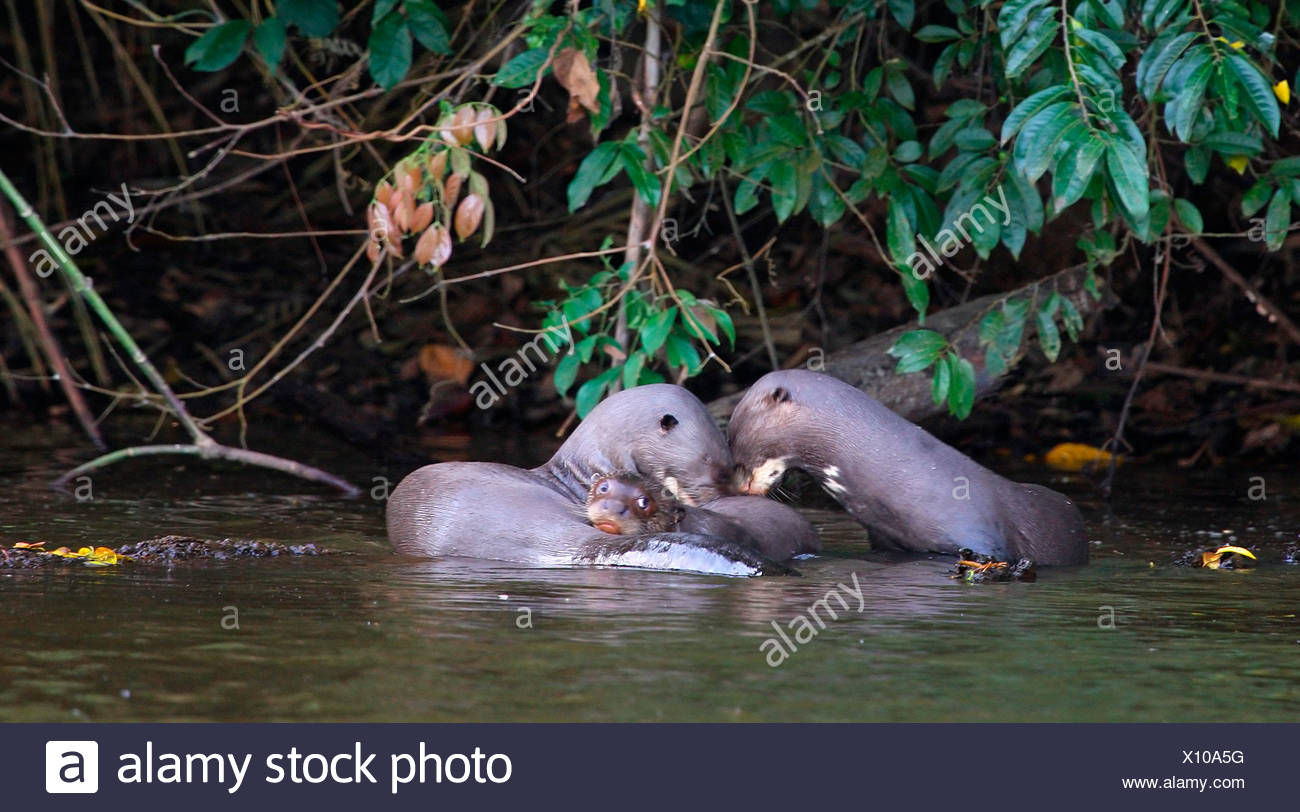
(667, 422)
(779, 395)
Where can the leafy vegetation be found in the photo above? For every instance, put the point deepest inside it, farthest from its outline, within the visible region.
(935, 127)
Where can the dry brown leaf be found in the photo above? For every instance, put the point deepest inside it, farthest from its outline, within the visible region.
(440, 362)
(438, 165)
(573, 71)
(451, 191)
(462, 125)
(424, 247)
(468, 215)
(485, 129)
(422, 217)
(441, 245)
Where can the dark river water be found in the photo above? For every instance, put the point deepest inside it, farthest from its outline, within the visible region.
(369, 636)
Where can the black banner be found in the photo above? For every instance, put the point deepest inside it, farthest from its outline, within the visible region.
(485, 766)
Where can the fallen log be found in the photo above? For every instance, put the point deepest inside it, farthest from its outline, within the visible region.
(868, 365)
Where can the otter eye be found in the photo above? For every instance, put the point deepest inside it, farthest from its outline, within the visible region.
(603, 487)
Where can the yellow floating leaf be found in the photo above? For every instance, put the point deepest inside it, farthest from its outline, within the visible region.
(103, 557)
(1239, 163)
(1076, 457)
(26, 545)
(1213, 559)
(1283, 92)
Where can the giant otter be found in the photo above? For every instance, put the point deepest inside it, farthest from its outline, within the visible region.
(627, 503)
(911, 491)
(495, 511)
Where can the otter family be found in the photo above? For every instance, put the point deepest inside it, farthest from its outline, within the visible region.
(648, 480)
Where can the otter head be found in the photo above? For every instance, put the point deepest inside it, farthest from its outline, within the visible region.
(621, 504)
(659, 431)
(775, 428)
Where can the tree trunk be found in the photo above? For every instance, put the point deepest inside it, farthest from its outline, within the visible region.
(868, 365)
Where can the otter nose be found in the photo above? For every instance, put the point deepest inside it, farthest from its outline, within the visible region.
(739, 478)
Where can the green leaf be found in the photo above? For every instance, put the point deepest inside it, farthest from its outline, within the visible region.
(961, 387)
(681, 353)
(918, 293)
(1197, 163)
(783, 180)
(382, 9)
(1190, 99)
(269, 39)
(942, 377)
(1158, 58)
(917, 350)
(590, 393)
(1078, 172)
(586, 348)
(1230, 142)
(1259, 92)
(390, 51)
(632, 369)
(312, 18)
(1049, 338)
(943, 65)
(644, 181)
(904, 11)
(725, 324)
(1128, 174)
(907, 152)
(985, 237)
(899, 234)
(1040, 34)
(593, 171)
(655, 331)
(937, 33)
(566, 372)
(773, 103)
(1255, 197)
(1036, 146)
(1189, 215)
(1028, 108)
(218, 47)
(428, 25)
(975, 139)
(522, 70)
(1103, 45)
(1277, 220)
(1071, 319)
(901, 89)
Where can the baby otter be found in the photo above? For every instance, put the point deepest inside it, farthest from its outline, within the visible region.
(628, 504)
(625, 504)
